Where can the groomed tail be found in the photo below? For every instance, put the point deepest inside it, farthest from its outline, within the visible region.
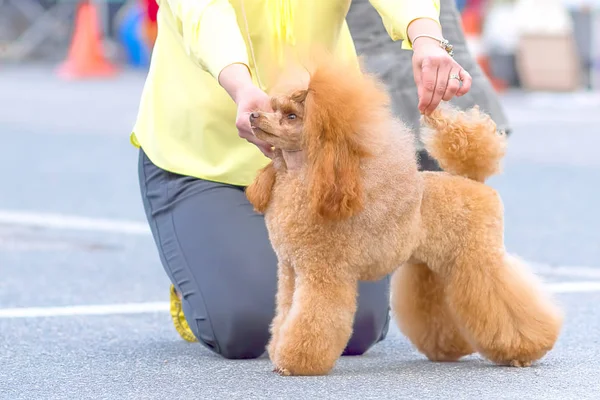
(465, 143)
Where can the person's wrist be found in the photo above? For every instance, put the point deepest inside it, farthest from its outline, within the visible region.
(236, 80)
(424, 30)
(429, 43)
(240, 91)
(425, 42)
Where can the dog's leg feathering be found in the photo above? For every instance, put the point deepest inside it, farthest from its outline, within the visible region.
(501, 308)
(318, 326)
(285, 293)
(420, 309)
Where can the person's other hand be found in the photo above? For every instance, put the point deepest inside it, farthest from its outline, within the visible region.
(237, 82)
(435, 73)
(248, 100)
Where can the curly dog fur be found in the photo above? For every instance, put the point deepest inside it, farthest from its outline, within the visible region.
(353, 206)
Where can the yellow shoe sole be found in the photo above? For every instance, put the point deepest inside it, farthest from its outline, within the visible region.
(181, 325)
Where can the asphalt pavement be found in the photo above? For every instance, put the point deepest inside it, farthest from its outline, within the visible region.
(83, 295)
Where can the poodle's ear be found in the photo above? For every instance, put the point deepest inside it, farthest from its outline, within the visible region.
(334, 152)
(299, 96)
(259, 191)
(335, 185)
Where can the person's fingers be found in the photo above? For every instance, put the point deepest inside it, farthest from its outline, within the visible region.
(453, 84)
(418, 80)
(440, 86)
(466, 83)
(267, 151)
(429, 69)
(245, 132)
(264, 147)
(242, 123)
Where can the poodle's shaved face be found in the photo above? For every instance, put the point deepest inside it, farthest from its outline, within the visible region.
(283, 127)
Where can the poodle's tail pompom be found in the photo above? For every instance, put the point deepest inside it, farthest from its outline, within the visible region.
(464, 143)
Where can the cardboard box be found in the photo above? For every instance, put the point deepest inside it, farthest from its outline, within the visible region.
(548, 62)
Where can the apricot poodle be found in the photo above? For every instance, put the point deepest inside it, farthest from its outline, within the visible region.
(344, 201)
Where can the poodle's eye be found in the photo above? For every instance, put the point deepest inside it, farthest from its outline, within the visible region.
(291, 116)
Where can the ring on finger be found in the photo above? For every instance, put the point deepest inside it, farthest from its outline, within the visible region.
(455, 76)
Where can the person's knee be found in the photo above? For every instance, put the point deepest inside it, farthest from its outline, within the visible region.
(370, 327)
(237, 332)
(244, 334)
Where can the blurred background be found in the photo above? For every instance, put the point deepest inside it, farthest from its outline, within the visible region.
(549, 45)
(84, 298)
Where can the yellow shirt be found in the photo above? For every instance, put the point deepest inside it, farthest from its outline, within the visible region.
(186, 120)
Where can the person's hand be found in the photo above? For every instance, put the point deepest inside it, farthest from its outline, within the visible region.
(236, 81)
(248, 100)
(437, 75)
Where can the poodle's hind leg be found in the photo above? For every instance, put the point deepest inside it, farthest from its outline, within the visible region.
(502, 308)
(420, 309)
(318, 326)
(285, 293)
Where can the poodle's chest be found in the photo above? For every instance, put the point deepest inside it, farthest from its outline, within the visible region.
(291, 223)
(288, 217)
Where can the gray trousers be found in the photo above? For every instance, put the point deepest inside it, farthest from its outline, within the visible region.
(216, 251)
(393, 65)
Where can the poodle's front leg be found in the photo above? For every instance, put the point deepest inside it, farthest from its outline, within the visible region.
(319, 323)
(285, 293)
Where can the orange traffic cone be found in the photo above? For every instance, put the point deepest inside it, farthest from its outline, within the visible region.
(86, 56)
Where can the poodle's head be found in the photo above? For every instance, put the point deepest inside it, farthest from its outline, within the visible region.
(331, 121)
(282, 128)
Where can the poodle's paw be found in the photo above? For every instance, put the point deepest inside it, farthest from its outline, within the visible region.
(302, 365)
(445, 345)
(448, 356)
(523, 355)
(306, 362)
(525, 341)
(449, 347)
(520, 363)
(281, 371)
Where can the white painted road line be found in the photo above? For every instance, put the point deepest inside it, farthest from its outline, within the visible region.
(69, 222)
(574, 287)
(69, 311)
(72, 222)
(157, 307)
(565, 270)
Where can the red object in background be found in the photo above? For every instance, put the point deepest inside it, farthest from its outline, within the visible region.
(151, 9)
(475, 5)
(472, 22)
(150, 27)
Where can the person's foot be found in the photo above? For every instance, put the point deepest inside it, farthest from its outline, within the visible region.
(178, 317)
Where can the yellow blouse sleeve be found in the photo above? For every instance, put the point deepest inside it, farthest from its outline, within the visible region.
(398, 14)
(210, 33)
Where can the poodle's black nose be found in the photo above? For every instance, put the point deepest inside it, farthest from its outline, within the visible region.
(254, 115)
